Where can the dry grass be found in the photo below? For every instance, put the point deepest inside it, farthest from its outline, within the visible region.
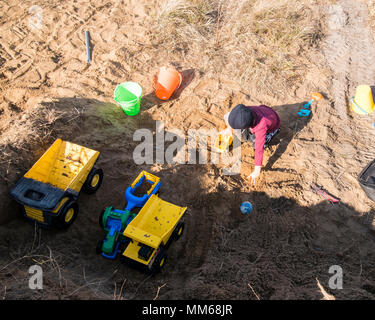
(246, 40)
(371, 8)
(38, 126)
(58, 282)
(325, 294)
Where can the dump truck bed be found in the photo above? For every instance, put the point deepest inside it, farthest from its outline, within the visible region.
(155, 222)
(63, 164)
(61, 170)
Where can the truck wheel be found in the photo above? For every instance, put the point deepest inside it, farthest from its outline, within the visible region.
(101, 218)
(159, 261)
(93, 181)
(99, 246)
(178, 231)
(67, 215)
(121, 248)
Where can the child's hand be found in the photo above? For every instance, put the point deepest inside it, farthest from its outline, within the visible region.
(253, 176)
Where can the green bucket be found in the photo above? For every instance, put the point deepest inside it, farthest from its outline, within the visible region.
(128, 95)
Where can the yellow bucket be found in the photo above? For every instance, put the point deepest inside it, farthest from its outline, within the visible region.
(363, 102)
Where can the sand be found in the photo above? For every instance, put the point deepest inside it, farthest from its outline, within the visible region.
(282, 250)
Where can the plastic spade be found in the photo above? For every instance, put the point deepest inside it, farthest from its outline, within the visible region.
(304, 112)
(315, 96)
(319, 190)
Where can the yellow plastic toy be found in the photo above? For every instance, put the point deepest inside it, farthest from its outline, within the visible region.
(50, 189)
(363, 103)
(223, 141)
(144, 175)
(151, 232)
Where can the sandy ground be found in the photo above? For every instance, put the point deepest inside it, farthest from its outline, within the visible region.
(281, 250)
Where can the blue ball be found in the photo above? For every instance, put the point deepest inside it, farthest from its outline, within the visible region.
(246, 207)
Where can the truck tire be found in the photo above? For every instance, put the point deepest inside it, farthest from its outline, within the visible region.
(178, 231)
(93, 181)
(99, 246)
(67, 214)
(101, 218)
(160, 261)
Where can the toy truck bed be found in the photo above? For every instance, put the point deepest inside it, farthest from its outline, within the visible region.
(55, 178)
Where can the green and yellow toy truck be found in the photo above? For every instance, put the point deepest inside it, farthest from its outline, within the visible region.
(114, 221)
(141, 239)
(151, 232)
(49, 191)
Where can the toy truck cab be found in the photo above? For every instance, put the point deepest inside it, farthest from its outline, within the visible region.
(50, 189)
(151, 232)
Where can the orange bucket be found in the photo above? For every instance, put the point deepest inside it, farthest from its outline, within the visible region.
(167, 81)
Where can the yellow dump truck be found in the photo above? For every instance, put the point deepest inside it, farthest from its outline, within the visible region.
(49, 191)
(151, 232)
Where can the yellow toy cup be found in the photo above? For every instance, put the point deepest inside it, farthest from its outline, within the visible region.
(363, 103)
(223, 141)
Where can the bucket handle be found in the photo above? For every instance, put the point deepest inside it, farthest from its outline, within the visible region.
(179, 74)
(352, 101)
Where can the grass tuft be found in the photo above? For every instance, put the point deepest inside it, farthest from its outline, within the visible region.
(246, 40)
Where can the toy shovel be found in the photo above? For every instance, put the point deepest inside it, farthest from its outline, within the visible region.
(304, 113)
(315, 96)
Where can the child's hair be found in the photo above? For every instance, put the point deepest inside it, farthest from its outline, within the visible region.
(241, 117)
